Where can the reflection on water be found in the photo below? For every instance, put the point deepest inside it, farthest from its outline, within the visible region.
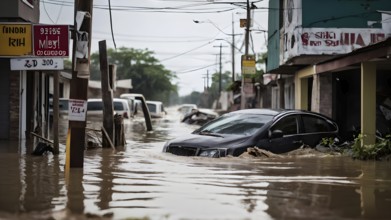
(141, 181)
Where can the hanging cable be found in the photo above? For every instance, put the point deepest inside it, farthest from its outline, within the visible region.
(111, 26)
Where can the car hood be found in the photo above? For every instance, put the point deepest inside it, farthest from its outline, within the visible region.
(208, 141)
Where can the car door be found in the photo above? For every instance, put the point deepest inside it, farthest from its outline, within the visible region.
(289, 139)
(315, 128)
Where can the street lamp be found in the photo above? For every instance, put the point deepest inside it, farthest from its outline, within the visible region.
(233, 47)
(212, 23)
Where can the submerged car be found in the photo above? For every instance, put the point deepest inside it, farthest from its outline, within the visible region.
(95, 108)
(156, 109)
(277, 131)
(199, 116)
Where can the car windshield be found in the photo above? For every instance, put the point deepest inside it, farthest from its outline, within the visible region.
(151, 107)
(118, 106)
(240, 124)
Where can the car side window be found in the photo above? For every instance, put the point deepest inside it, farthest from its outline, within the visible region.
(94, 106)
(288, 125)
(118, 106)
(315, 124)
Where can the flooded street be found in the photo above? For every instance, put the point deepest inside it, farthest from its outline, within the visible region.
(140, 182)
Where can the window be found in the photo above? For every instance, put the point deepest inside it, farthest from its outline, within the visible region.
(315, 124)
(94, 106)
(288, 125)
(238, 124)
(119, 106)
(151, 107)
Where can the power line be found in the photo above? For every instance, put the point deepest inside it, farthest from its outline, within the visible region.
(185, 52)
(111, 25)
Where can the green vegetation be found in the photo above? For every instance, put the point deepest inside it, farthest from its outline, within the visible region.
(327, 142)
(149, 77)
(377, 151)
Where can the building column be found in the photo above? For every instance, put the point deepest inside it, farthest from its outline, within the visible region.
(368, 102)
(301, 87)
(321, 100)
(281, 90)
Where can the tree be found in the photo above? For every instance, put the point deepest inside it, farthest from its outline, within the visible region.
(149, 77)
(214, 88)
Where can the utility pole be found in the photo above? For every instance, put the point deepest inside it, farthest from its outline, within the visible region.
(207, 79)
(79, 82)
(233, 49)
(220, 70)
(248, 21)
(243, 102)
(220, 67)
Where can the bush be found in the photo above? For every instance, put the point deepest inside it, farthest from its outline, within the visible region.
(376, 151)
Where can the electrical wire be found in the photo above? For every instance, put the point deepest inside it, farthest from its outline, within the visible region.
(186, 52)
(111, 26)
(47, 13)
(59, 13)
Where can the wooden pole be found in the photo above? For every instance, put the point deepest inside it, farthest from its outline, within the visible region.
(107, 95)
(56, 95)
(79, 85)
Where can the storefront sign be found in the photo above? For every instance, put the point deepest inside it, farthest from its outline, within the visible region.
(77, 110)
(51, 40)
(37, 64)
(15, 39)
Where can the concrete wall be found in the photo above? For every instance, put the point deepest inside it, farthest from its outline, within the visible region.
(19, 10)
(342, 13)
(273, 45)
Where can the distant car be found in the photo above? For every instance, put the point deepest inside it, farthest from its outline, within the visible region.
(95, 108)
(156, 109)
(63, 105)
(277, 131)
(185, 109)
(139, 103)
(199, 116)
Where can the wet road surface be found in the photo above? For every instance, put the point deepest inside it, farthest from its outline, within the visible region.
(139, 181)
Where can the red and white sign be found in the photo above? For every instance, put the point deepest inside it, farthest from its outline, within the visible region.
(51, 40)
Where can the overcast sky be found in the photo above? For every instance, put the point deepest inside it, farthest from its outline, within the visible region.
(167, 28)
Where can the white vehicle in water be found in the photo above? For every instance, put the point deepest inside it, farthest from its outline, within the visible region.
(137, 100)
(95, 108)
(156, 109)
(185, 109)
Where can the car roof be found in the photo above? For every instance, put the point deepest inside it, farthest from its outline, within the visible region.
(258, 111)
(131, 95)
(277, 113)
(154, 102)
(100, 100)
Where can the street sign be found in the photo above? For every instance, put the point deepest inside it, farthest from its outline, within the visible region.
(77, 110)
(248, 64)
(37, 63)
(51, 40)
(15, 39)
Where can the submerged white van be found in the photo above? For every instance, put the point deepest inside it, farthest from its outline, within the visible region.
(156, 109)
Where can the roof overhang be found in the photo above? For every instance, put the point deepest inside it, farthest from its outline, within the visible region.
(379, 52)
(296, 63)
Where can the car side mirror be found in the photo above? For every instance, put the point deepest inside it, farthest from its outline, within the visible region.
(276, 134)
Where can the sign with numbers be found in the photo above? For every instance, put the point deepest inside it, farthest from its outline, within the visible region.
(77, 110)
(51, 40)
(37, 64)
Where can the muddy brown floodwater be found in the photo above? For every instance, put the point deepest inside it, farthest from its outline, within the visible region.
(138, 181)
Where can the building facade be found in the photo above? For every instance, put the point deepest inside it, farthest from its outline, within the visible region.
(306, 34)
(14, 85)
